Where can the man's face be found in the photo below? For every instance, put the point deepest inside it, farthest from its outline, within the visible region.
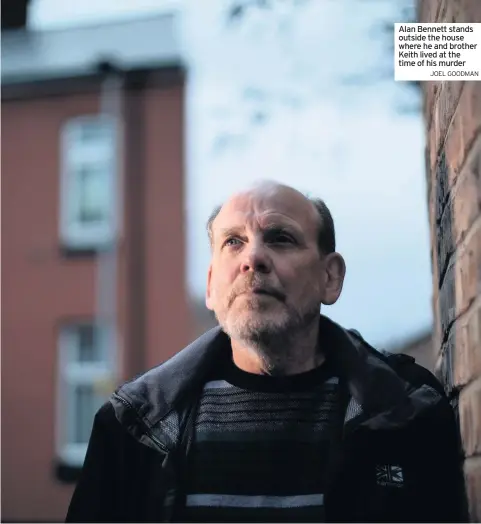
(266, 276)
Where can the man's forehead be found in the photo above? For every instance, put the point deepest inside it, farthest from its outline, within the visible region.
(276, 204)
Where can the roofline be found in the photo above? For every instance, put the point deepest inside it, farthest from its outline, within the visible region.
(160, 76)
(12, 80)
(98, 24)
(87, 68)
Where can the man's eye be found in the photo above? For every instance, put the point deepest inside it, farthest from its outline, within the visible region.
(281, 239)
(231, 242)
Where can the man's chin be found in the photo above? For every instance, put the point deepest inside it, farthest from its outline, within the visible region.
(256, 329)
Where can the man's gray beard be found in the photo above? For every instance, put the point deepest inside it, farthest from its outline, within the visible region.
(267, 339)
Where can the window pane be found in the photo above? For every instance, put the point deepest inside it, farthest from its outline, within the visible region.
(95, 132)
(93, 193)
(85, 404)
(89, 344)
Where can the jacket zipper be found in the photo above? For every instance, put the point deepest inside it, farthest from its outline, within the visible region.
(170, 495)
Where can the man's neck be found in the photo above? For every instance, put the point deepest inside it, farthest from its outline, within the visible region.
(290, 356)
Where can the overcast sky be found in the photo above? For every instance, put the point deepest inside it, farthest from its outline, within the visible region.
(341, 142)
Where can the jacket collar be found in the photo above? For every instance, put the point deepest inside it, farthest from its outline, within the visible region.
(364, 370)
(163, 389)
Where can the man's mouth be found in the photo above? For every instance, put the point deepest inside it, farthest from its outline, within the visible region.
(267, 292)
(261, 291)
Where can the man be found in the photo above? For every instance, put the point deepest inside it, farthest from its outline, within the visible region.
(279, 414)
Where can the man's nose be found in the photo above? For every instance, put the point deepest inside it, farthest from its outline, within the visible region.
(256, 259)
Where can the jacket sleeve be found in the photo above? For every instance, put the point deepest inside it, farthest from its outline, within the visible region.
(94, 498)
(440, 457)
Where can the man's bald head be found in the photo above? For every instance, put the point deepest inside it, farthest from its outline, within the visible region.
(326, 239)
(273, 264)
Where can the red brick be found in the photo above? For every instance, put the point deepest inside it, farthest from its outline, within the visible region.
(444, 11)
(38, 298)
(467, 360)
(443, 111)
(465, 125)
(441, 11)
(472, 475)
(434, 139)
(452, 114)
(470, 418)
(467, 194)
(427, 11)
(461, 11)
(468, 270)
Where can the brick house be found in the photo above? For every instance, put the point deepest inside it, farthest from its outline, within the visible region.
(420, 347)
(63, 162)
(452, 114)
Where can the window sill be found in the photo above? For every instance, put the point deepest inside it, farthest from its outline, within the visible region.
(66, 473)
(78, 252)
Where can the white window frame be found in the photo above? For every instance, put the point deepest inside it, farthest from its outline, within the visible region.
(76, 154)
(72, 373)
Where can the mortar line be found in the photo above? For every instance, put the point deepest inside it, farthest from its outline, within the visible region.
(459, 245)
(471, 385)
(438, 94)
(474, 304)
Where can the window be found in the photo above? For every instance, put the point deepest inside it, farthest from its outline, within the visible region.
(85, 382)
(87, 203)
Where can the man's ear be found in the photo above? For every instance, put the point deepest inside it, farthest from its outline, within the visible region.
(335, 268)
(208, 294)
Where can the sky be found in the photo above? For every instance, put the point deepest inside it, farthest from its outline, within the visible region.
(320, 133)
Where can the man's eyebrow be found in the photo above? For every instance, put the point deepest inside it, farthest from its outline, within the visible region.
(280, 228)
(228, 231)
(269, 229)
(277, 227)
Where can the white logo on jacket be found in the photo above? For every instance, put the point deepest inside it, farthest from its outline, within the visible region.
(389, 475)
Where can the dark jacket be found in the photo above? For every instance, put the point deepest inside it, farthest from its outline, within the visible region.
(399, 459)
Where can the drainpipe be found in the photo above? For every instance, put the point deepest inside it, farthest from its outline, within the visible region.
(108, 253)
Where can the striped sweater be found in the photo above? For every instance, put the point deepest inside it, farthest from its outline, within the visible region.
(261, 447)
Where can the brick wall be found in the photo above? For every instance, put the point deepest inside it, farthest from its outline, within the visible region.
(452, 113)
